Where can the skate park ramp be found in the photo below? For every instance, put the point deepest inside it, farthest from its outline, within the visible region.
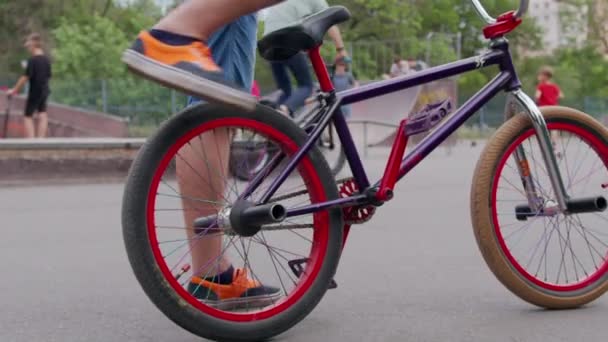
(381, 115)
(64, 121)
(374, 121)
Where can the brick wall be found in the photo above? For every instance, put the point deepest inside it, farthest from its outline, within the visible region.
(65, 121)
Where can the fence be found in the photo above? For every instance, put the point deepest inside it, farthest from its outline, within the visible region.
(373, 58)
(140, 101)
(147, 104)
(492, 114)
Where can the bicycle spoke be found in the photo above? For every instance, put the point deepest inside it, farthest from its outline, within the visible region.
(272, 259)
(189, 198)
(209, 269)
(203, 186)
(558, 251)
(201, 177)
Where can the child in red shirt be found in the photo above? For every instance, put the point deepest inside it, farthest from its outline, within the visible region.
(548, 94)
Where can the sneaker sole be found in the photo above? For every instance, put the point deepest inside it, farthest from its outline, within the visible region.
(243, 303)
(187, 82)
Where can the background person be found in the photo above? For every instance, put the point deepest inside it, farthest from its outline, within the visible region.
(38, 74)
(399, 67)
(548, 94)
(283, 15)
(343, 79)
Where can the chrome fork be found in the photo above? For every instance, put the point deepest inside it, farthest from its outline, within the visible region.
(546, 148)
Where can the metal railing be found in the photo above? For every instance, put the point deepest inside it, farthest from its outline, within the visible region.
(365, 124)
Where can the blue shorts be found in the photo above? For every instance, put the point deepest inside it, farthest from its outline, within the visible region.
(346, 111)
(233, 48)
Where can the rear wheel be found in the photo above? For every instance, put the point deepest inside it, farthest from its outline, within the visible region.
(332, 150)
(249, 155)
(163, 197)
(550, 258)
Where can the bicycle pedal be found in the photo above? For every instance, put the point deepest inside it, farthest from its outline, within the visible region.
(297, 269)
(429, 117)
(296, 266)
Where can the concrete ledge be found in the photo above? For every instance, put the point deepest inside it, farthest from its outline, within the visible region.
(66, 158)
(71, 144)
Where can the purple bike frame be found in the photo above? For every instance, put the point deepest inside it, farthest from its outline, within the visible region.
(506, 80)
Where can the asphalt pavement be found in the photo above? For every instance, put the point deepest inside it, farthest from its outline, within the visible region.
(412, 274)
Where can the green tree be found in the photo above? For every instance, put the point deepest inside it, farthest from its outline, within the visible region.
(88, 72)
(387, 21)
(22, 17)
(88, 50)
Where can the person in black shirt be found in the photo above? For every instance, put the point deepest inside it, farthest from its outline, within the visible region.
(38, 73)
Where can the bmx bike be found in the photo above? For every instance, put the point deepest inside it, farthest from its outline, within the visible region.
(249, 154)
(539, 222)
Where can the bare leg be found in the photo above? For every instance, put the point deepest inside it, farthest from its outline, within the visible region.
(200, 18)
(43, 125)
(203, 165)
(28, 124)
(201, 170)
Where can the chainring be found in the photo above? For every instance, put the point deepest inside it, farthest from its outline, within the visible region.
(356, 214)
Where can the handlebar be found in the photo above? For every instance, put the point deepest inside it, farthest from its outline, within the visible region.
(523, 8)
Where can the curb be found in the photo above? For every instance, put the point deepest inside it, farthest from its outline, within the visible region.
(71, 144)
(40, 160)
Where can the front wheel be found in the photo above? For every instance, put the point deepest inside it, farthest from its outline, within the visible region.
(269, 278)
(549, 258)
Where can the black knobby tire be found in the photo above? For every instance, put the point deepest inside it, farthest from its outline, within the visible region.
(335, 157)
(141, 255)
(247, 159)
(335, 160)
(339, 163)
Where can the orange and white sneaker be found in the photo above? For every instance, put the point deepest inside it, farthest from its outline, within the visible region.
(189, 68)
(242, 293)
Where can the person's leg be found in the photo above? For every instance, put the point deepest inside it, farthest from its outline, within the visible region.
(174, 52)
(195, 164)
(28, 126)
(281, 79)
(234, 50)
(43, 120)
(42, 126)
(28, 121)
(298, 65)
(201, 18)
(346, 111)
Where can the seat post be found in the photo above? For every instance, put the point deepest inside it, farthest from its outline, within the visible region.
(320, 69)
